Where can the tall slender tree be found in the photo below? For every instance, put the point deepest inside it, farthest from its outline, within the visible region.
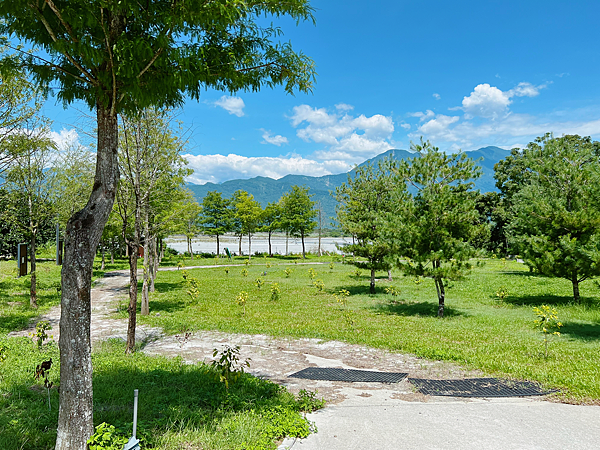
(29, 177)
(248, 212)
(120, 56)
(362, 200)
(150, 162)
(216, 215)
(431, 227)
(270, 221)
(298, 213)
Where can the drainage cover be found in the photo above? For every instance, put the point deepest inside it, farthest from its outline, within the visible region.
(350, 375)
(479, 387)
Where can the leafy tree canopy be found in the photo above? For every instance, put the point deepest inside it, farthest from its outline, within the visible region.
(557, 214)
(133, 54)
(436, 215)
(362, 200)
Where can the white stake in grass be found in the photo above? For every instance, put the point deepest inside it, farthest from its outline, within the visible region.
(133, 443)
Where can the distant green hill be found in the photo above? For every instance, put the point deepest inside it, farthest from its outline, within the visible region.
(266, 190)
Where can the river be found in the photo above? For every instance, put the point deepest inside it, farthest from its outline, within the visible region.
(205, 244)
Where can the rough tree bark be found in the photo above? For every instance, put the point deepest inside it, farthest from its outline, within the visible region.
(439, 286)
(153, 262)
(145, 310)
(132, 308)
(249, 246)
(574, 279)
(84, 230)
(303, 248)
(33, 285)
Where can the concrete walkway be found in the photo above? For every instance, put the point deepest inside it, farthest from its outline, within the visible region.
(381, 422)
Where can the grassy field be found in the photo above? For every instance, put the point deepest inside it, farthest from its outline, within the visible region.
(181, 406)
(480, 330)
(186, 406)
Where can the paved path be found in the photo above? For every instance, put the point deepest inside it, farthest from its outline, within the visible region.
(366, 416)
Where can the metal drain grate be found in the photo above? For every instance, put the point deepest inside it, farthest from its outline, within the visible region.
(350, 375)
(478, 387)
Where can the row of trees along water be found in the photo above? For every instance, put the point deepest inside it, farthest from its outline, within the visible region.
(423, 216)
(293, 214)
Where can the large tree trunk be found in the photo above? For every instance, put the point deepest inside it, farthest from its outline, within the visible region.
(217, 245)
(249, 246)
(153, 263)
(372, 285)
(84, 230)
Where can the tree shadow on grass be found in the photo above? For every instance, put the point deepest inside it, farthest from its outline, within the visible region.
(583, 331)
(424, 309)
(359, 289)
(172, 392)
(167, 306)
(549, 299)
(172, 395)
(13, 322)
(163, 286)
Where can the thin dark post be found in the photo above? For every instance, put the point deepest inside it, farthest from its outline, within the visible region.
(22, 259)
(59, 246)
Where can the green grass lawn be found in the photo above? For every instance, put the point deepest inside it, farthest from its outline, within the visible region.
(479, 330)
(186, 406)
(181, 405)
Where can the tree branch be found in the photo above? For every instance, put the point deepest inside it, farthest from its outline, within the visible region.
(51, 64)
(55, 10)
(55, 39)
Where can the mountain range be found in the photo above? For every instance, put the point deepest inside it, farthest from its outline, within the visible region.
(266, 190)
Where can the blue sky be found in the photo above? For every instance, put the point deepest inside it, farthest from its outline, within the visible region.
(463, 74)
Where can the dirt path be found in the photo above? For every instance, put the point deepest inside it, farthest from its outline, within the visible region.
(272, 358)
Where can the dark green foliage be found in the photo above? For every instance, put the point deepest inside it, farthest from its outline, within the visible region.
(431, 228)
(557, 213)
(158, 51)
(216, 216)
(362, 201)
(14, 220)
(493, 216)
(298, 213)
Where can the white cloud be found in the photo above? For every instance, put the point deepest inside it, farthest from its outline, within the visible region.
(525, 90)
(429, 114)
(344, 107)
(486, 101)
(65, 138)
(352, 138)
(492, 103)
(277, 140)
(233, 105)
(219, 168)
(438, 125)
(437, 96)
(406, 126)
(509, 131)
